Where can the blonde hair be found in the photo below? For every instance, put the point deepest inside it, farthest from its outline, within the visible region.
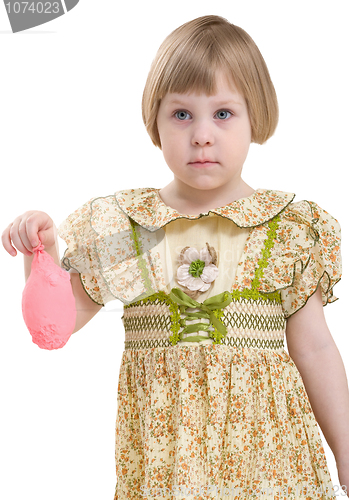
(188, 59)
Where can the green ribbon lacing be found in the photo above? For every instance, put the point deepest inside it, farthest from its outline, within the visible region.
(210, 309)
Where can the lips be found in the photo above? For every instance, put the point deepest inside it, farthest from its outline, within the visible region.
(202, 163)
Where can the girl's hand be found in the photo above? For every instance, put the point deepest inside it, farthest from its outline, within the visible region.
(25, 232)
(343, 476)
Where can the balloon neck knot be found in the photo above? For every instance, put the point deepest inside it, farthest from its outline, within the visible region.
(39, 247)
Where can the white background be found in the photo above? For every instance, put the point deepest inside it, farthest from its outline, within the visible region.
(71, 129)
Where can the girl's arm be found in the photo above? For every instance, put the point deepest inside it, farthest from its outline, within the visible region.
(85, 307)
(314, 352)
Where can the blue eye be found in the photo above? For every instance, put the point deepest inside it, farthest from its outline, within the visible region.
(182, 113)
(223, 111)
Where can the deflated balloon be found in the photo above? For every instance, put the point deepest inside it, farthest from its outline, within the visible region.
(48, 302)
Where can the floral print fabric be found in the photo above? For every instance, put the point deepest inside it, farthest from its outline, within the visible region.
(236, 419)
(312, 240)
(193, 416)
(100, 239)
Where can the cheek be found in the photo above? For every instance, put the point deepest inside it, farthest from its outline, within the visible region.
(248, 130)
(172, 143)
(167, 150)
(243, 135)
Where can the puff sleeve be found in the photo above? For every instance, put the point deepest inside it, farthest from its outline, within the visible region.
(114, 256)
(312, 240)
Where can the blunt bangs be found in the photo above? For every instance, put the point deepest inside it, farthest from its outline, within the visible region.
(188, 60)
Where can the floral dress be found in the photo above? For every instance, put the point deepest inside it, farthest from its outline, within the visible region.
(210, 405)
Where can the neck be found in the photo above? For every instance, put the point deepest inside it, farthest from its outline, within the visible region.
(192, 201)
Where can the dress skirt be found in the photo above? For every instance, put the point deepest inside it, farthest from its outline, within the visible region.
(215, 421)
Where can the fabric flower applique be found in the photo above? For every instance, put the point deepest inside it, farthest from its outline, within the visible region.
(197, 270)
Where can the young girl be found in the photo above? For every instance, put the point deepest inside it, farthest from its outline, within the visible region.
(212, 274)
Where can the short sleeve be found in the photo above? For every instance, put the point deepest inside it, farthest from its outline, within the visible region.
(76, 230)
(315, 237)
(114, 256)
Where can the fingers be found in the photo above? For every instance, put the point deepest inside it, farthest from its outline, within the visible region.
(34, 223)
(6, 241)
(23, 232)
(19, 236)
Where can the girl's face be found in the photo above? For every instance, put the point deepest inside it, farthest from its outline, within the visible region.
(205, 139)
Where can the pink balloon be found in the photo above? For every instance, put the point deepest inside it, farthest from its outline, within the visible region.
(48, 302)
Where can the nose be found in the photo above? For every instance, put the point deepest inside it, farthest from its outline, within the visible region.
(202, 134)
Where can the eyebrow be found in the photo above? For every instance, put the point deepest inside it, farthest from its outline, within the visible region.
(219, 103)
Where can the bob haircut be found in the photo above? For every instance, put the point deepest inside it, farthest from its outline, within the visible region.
(187, 61)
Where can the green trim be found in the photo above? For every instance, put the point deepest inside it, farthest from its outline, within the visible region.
(135, 238)
(207, 310)
(173, 307)
(233, 318)
(178, 301)
(268, 245)
(140, 261)
(246, 342)
(247, 294)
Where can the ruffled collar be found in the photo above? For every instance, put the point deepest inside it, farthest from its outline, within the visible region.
(145, 207)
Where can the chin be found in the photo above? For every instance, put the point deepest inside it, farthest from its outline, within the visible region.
(206, 185)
